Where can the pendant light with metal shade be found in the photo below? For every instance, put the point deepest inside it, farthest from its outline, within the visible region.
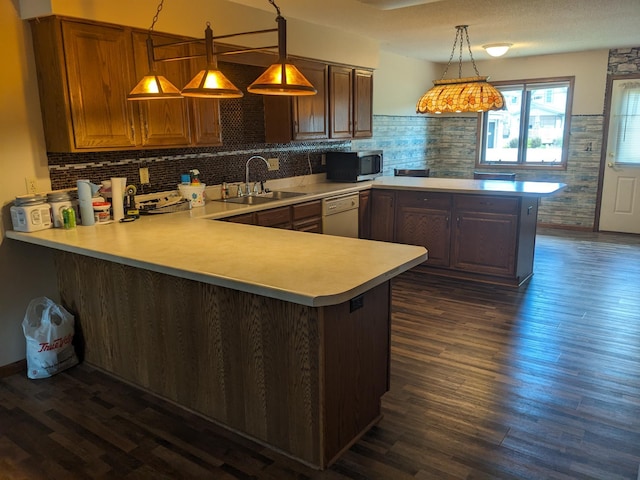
(281, 78)
(153, 86)
(470, 94)
(210, 82)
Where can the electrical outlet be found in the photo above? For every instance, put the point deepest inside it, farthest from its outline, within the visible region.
(144, 175)
(274, 164)
(32, 184)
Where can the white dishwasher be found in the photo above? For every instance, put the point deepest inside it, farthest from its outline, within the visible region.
(340, 215)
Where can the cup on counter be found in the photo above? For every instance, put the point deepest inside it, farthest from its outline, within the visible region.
(193, 193)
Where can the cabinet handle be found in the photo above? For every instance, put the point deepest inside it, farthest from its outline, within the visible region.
(529, 208)
(133, 131)
(447, 220)
(458, 221)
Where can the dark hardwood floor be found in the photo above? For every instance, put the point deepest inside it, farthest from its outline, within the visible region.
(487, 382)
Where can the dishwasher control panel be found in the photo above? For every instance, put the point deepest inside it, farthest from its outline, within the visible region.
(332, 205)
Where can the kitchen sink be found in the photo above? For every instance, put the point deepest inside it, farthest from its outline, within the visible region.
(263, 198)
(279, 195)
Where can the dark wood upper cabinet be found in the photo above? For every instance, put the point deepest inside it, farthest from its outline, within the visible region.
(300, 118)
(350, 102)
(363, 103)
(341, 101)
(163, 122)
(85, 72)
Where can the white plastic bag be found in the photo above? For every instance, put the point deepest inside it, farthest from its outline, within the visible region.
(48, 329)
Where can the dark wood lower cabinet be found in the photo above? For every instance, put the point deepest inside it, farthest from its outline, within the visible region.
(304, 217)
(424, 218)
(383, 215)
(480, 237)
(304, 380)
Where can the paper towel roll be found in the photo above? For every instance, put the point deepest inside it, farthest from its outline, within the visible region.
(118, 186)
(85, 194)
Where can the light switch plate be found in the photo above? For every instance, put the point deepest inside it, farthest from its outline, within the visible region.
(144, 175)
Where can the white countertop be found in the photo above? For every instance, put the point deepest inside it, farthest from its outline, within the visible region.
(469, 186)
(314, 191)
(305, 268)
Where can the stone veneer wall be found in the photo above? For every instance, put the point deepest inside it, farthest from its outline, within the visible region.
(454, 156)
(405, 141)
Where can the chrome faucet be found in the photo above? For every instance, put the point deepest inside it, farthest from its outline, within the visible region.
(246, 172)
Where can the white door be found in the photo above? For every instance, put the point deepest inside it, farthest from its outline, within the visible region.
(620, 203)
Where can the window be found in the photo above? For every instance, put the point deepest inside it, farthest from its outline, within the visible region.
(624, 135)
(533, 129)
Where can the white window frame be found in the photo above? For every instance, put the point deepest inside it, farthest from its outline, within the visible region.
(525, 87)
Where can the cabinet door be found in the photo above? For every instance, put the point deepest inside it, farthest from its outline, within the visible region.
(423, 218)
(275, 217)
(204, 112)
(246, 218)
(364, 215)
(310, 113)
(307, 217)
(362, 104)
(341, 101)
(163, 122)
(382, 215)
(485, 238)
(98, 61)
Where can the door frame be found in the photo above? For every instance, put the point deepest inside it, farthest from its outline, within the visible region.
(605, 140)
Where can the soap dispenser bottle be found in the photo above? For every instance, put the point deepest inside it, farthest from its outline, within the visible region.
(195, 174)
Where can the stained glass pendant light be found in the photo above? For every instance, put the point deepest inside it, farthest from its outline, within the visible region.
(469, 94)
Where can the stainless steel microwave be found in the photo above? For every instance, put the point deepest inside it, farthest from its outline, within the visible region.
(353, 166)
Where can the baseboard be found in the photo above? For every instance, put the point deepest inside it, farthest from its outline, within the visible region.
(11, 369)
(557, 226)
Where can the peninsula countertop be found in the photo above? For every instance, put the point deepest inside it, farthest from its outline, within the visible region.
(303, 268)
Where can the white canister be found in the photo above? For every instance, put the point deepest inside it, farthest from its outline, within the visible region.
(59, 200)
(30, 213)
(102, 212)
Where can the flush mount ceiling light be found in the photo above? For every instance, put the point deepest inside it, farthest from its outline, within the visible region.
(470, 94)
(497, 49)
(281, 78)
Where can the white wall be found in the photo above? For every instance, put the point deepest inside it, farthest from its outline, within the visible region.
(399, 82)
(25, 271)
(589, 68)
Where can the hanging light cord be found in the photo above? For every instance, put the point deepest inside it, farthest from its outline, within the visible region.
(275, 6)
(459, 30)
(155, 17)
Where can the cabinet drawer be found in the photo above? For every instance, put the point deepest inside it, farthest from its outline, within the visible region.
(432, 200)
(306, 210)
(246, 218)
(485, 204)
(274, 217)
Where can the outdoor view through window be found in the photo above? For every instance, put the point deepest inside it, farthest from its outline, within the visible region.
(531, 129)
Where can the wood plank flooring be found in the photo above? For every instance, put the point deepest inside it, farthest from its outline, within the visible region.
(487, 382)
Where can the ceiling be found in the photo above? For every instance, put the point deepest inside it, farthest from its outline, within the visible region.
(425, 29)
